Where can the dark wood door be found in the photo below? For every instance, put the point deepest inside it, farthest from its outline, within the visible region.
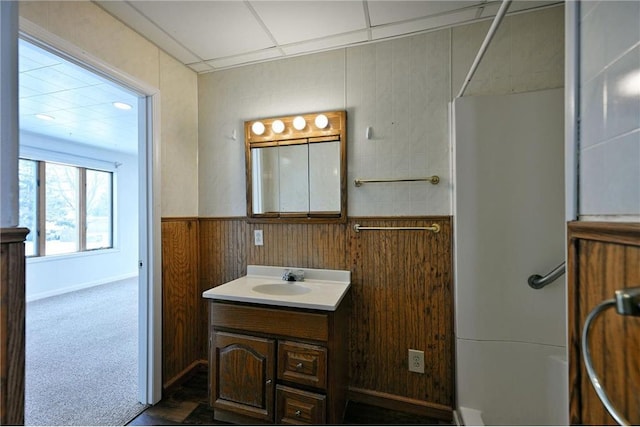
(243, 375)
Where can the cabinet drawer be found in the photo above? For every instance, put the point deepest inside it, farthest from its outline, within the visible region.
(302, 363)
(299, 407)
(296, 324)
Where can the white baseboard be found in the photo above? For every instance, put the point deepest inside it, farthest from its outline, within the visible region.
(80, 286)
(468, 417)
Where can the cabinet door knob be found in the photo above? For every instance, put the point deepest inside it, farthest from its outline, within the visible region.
(299, 365)
(298, 413)
(268, 381)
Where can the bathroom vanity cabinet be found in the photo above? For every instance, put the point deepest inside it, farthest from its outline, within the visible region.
(282, 365)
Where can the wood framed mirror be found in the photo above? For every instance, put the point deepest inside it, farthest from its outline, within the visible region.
(296, 168)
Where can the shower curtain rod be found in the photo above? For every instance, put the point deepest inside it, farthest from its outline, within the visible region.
(485, 44)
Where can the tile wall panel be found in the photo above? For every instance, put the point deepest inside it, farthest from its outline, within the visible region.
(609, 147)
(228, 98)
(401, 88)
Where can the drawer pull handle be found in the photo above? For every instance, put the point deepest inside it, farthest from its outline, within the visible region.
(299, 365)
(298, 413)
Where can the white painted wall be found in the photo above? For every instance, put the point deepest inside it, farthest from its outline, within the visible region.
(509, 224)
(609, 148)
(53, 275)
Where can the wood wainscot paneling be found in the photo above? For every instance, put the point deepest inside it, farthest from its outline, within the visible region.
(401, 293)
(602, 258)
(223, 254)
(402, 299)
(12, 325)
(300, 245)
(182, 331)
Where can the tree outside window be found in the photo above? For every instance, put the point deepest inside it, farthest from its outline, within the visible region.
(99, 210)
(61, 209)
(28, 203)
(76, 213)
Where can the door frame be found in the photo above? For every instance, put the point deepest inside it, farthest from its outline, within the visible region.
(150, 251)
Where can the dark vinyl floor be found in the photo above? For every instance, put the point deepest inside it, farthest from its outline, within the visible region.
(187, 405)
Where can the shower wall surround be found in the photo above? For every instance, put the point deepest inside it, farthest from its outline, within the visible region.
(609, 149)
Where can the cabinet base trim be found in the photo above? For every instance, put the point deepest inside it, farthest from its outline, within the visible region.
(401, 403)
(185, 374)
(233, 418)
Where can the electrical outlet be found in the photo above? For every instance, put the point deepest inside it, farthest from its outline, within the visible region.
(416, 361)
(257, 238)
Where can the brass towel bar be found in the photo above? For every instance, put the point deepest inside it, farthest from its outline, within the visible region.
(432, 179)
(434, 227)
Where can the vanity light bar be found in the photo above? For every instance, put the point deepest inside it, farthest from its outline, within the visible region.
(278, 126)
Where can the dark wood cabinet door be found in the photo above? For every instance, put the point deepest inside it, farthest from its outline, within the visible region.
(244, 375)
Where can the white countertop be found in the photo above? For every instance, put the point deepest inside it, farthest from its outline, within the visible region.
(324, 289)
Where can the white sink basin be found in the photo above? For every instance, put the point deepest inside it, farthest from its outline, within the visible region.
(321, 289)
(287, 288)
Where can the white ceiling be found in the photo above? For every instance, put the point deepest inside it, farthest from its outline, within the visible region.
(79, 103)
(209, 35)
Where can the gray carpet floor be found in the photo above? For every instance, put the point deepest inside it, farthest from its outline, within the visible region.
(81, 357)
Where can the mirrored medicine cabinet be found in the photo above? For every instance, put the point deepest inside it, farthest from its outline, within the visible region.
(296, 168)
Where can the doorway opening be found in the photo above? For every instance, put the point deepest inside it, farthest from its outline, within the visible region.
(83, 174)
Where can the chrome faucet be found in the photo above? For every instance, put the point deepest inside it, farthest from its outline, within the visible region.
(293, 276)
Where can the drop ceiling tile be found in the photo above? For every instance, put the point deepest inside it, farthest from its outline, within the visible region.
(517, 6)
(80, 101)
(53, 74)
(45, 104)
(261, 55)
(41, 86)
(37, 55)
(296, 21)
(211, 29)
(26, 64)
(80, 74)
(26, 92)
(327, 43)
(409, 27)
(200, 67)
(134, 19)
(385, 12)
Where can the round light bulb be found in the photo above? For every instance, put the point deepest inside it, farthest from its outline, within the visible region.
(321, 121)
(299, 123)
(257, 128)
(277, 126)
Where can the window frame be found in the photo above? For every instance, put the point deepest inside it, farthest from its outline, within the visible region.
(82, 167)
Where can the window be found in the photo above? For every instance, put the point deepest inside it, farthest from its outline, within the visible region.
(67, 208)
(61, 209)
(99, 216)
(28, 189)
